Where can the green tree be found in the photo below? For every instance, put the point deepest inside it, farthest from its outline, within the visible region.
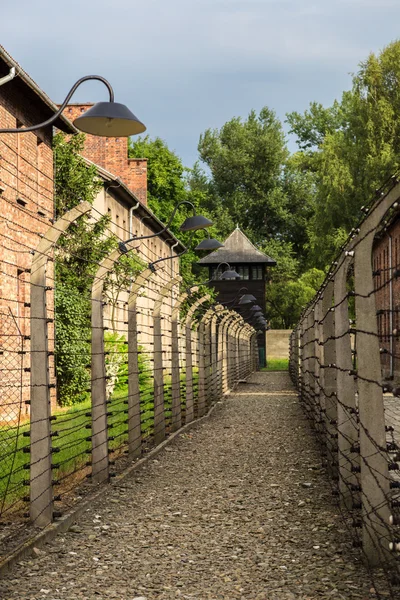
(350, 148)
(167, 185)
(245, 159)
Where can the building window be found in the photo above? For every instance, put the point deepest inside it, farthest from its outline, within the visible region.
(243, 272)
(257, 272)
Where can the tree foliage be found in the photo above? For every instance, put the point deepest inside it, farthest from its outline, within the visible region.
(350, 149)
(78, 255)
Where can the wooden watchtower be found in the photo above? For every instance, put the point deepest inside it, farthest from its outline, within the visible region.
(251, 264)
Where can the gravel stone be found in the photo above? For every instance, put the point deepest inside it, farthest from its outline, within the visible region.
(221, 514)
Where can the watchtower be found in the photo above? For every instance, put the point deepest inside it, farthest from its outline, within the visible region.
(251, 264)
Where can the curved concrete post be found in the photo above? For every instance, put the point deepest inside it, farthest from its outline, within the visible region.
(134, 416)
(374, 468)
(214, 388)
(328, 376)
(100, 463)
(41, 492)
(204, 360)
(176, 410)
(236, 349)
(232, 349)
(189, 357)
(318, 351)
(244, 352)
(224, 349)
(345, 389)
(248, 358)
(220, 351)
(159, 409)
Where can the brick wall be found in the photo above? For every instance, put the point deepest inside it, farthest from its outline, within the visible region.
(27, 211)
(112, 155)
(388, 323)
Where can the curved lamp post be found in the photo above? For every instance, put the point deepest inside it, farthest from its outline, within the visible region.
(192, 223)
(109, 119)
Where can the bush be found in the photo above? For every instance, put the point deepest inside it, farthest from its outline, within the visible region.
(72, 346)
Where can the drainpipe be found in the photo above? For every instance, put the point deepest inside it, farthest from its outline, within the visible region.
(131, 218)
(8, 77)
(391, 369)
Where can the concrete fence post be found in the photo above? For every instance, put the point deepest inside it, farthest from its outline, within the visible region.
(374, 476)
(347, 426)
(176, 409)
(134, 416)
(223, 352)
(204, 360)
(100, 462)
(41, 490)
(329, 377)
(189, 357)
(159, 409)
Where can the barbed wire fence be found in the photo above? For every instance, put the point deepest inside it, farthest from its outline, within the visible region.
(343, 363)
(159, 355)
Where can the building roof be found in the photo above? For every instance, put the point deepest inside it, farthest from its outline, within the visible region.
(30, 89)
(237, 249)
(118, 186)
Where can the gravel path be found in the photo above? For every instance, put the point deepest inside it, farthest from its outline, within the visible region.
(238, 508)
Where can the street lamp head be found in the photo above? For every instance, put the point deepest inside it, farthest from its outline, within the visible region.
(195, 222)
(230, 274)
(109, 119)
(256, 308)
(209, 243)
(247, 299)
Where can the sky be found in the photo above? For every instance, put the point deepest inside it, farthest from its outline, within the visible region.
(183, 66)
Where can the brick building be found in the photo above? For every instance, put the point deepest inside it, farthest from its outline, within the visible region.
(131, 217)
(386, 269)
(27, 210)
(112, 155)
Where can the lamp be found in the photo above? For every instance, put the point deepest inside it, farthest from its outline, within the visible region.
(190, 224)
(195, 222)
(256, 308)
(209, 243)
(247, 299)
(230, 274)
(109, 119)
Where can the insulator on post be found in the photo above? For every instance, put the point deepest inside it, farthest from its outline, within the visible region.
(394, 546)
(394, 466)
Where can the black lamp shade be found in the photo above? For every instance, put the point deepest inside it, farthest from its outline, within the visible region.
(256, 308)
(230, 274)
(195, 222)
(109, 119)
(247, 299)
(209, 244)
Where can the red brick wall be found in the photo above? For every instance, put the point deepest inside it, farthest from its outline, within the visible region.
(112, 155)
(380, 263)
(27, 210)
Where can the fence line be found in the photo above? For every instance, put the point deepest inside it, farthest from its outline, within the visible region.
(336, 363)
(158, 367)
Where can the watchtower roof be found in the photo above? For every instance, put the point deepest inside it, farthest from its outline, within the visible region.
(237, 249)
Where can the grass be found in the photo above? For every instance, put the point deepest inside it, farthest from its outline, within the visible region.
(277, 364)
(71, 441)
